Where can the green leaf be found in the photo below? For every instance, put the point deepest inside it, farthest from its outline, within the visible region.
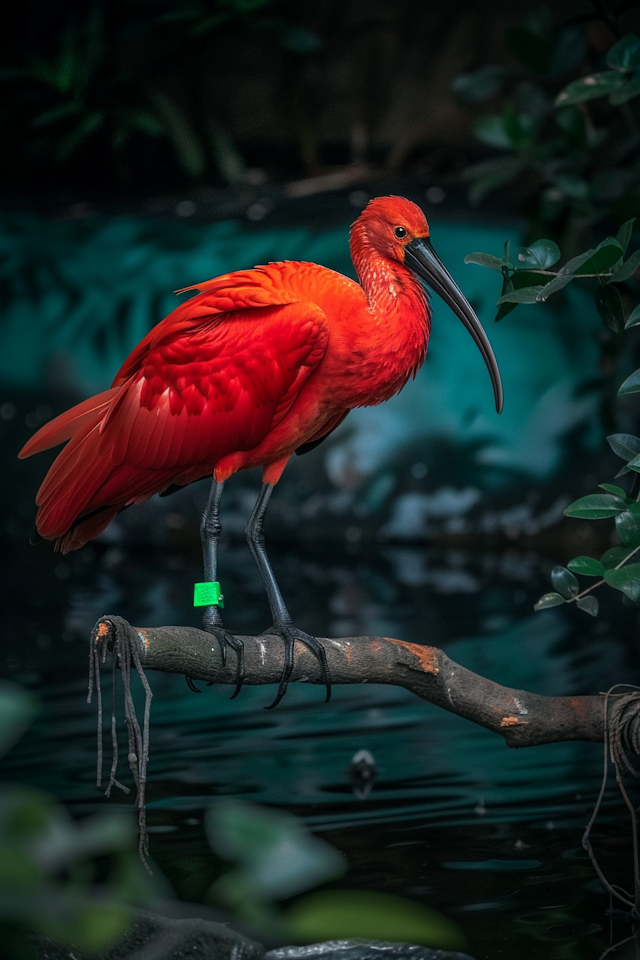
(492, 131)
(587, 566)
(540, 255)
(60, 112)
(91, 929)
(628, 526)
(596, 506)
(588, 604)
(634, 318)
(626, 602)
(88, 125)
(609, 305)
(564, 582)
(486, 260)
(612, 557)
(573, 265)
(526, 295)
(625, 233)
(626, 579)
(480, 85)
(505, 308)
(570, 48)
(344, 914)
(625, 55)
(17, 709)
(604, 257)
(277, 856)
(520, 127)
(630, 385)
(627, 269)
(576, 188)
(549, 600)
(589, 88)
(517, 281)
(556, 284)
(565, 275)
(612, 488)
(628, 92)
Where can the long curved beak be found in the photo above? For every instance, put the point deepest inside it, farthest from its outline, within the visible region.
(424, 262)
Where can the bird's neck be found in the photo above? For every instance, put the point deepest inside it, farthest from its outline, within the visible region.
(389, 286)
(394, 295)
(394, 342)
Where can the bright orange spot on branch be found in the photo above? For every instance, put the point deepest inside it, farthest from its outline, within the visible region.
(509, 721)
(103, 630)
(427, 657)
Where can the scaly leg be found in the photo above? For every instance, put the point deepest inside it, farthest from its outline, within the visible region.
(282, 622)
(210, 529)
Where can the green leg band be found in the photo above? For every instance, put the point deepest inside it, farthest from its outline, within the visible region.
(207, 595)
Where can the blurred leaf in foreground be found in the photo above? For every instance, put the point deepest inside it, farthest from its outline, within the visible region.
(341, 914)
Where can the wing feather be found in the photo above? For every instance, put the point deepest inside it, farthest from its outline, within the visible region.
(181, 403)
(207, 396)
(67, 424)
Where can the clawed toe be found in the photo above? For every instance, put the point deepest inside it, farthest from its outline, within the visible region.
(226, 640)
(290, 634)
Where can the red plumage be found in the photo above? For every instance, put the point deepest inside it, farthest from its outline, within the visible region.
(256, 365)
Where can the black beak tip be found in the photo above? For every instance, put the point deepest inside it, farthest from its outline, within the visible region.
(423, 261)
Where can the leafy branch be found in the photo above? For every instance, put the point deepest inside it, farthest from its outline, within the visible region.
(608, 265)
(571, 157)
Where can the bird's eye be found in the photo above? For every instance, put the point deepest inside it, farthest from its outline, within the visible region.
(400, 233)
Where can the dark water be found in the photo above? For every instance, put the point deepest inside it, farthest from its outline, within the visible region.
(456, 820)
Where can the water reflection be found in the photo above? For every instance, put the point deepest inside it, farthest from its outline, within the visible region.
(454, 818)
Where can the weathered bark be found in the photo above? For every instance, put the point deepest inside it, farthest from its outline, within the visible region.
(522, 718)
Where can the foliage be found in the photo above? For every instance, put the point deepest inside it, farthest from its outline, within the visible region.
(528, 277)
(276, 858)
(573, 159)
(49, 864)
(371, 915)
(532, 282)
(109, 84)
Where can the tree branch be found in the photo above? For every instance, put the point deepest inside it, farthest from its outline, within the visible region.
(522, 718)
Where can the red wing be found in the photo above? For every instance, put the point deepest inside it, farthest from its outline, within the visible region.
(230, 294)
(217, 390)
(67, 424)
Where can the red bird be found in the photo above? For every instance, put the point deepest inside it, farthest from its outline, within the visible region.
(258, 365)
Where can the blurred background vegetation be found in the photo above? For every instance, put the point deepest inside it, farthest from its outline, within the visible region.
(149, 144)
(100, 99)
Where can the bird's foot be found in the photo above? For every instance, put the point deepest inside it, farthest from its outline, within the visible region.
(226, 639)
(290, 634)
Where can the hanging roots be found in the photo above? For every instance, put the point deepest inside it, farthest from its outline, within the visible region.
(116, 636)
(621, 741)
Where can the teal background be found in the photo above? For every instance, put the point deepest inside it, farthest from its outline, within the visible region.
(78, 295)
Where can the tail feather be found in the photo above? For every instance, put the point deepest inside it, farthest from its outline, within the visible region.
(72, 482)
(80, 533)
(68, 424)
(87, 485)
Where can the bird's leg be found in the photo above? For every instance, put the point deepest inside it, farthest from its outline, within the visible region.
(282, 622)
(210, 529)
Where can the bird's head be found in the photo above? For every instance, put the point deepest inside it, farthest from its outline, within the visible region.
(398, 230)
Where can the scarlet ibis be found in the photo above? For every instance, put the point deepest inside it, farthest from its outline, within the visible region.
(257, 365)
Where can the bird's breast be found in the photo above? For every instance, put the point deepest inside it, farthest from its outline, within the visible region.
(371, 357)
